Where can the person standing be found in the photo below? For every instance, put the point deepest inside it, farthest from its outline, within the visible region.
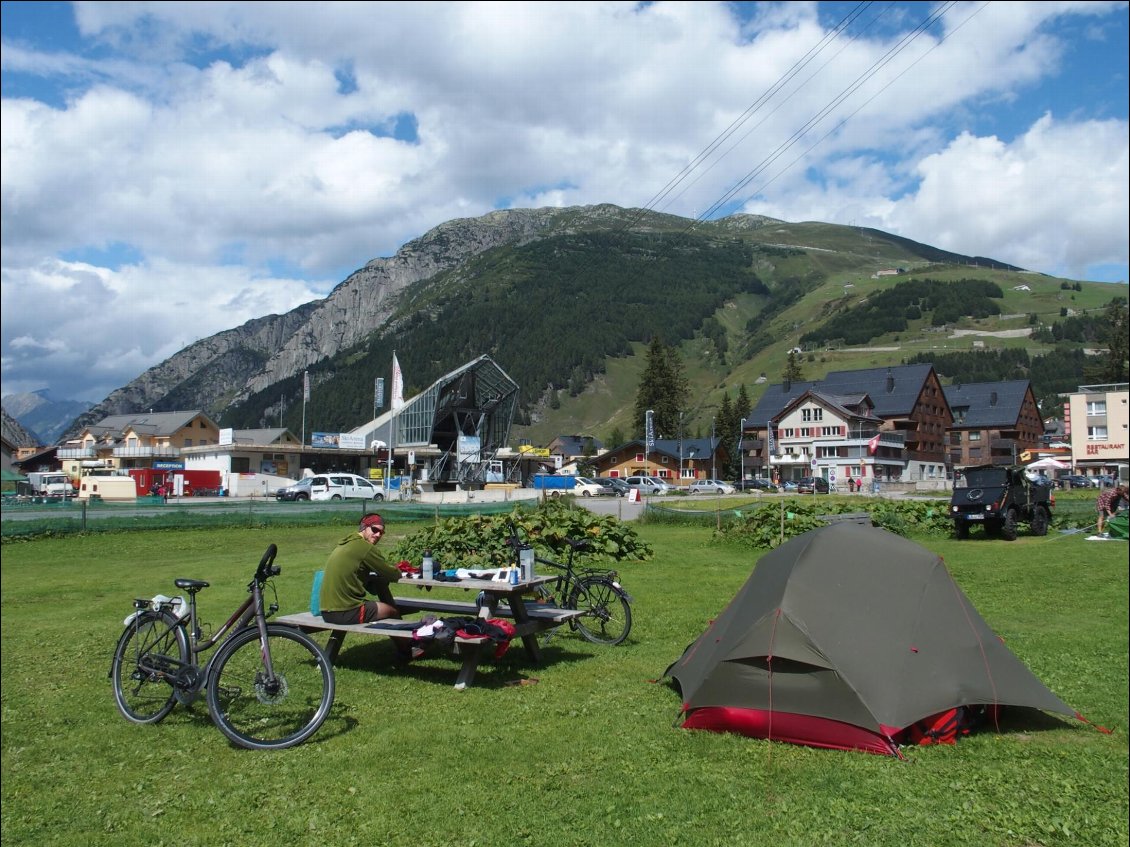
(1107, 504)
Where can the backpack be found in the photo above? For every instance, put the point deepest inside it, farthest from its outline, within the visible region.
(946, 727)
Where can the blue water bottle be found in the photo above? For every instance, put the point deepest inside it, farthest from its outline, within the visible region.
(513, 576)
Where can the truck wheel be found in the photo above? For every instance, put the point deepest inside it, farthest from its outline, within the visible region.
(1040, 521)
(1008, 528)
(961, 530)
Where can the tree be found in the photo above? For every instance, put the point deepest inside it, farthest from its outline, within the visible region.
(663, 389)
(1112, 366)
(792, 372)
(615, 438)
(726, 427)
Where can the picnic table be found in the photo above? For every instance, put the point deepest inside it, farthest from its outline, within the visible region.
(493, 599)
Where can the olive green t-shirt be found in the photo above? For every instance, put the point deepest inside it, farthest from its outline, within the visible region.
(352, 560)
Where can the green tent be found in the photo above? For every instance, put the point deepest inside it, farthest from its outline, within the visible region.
(846, 637)
(10, 475)
(1116, 527)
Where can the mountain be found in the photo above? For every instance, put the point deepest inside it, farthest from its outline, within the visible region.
(566, 300)
(15, 433)
(44, 415)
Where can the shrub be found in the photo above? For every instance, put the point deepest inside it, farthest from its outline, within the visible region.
(480, 541)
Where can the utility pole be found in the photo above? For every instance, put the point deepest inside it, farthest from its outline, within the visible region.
(713, 451)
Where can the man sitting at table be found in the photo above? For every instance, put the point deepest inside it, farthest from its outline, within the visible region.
(353, 571)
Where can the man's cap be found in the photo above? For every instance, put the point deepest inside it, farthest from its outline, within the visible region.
(374, 520)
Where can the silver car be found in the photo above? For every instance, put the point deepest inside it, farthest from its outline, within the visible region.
(710, 486)
(647, 485)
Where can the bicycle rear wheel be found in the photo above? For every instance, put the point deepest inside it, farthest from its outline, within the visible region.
(153, 646)
(608, 614)
(260, 713)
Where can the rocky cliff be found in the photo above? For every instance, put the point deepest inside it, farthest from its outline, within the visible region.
(215, 372)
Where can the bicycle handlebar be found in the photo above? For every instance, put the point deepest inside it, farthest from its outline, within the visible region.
(267, 567)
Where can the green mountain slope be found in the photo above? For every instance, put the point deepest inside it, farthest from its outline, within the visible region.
(569, 315)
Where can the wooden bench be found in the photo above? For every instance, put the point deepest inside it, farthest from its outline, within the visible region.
(466, 647)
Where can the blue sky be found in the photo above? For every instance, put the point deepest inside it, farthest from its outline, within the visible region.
(172, 170)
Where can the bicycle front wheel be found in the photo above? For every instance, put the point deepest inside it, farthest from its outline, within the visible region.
(153, 647)
(608, 614)
(264, 712)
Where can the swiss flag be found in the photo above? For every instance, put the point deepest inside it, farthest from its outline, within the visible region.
(873, 444)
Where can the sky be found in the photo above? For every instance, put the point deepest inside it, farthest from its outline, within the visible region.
(172, 170)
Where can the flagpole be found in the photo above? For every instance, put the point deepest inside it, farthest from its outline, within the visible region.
(393, 404)
(305, 397)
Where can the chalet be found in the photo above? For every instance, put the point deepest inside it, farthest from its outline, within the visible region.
(908, 400)
(671, 459)
(993, 422)
(142, 440)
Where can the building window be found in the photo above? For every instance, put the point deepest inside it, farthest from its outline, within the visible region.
(974, 436)
(1096, 407)
(1096, 433)
(188, 442)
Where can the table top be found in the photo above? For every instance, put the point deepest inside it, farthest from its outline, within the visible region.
(490, 585)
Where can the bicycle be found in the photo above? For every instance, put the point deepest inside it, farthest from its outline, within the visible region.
(268, 686)
(597, 591)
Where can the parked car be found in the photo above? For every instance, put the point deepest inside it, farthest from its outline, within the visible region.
(614, 485)
(758, 484)
(583, 486)
(647, 485)
(812, 485)
(710, 486)
(789, 485)
(1076, 481)
(336, 486)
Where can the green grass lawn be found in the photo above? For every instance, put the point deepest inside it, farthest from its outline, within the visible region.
(587, 757)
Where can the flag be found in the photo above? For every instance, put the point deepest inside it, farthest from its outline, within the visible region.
(306, 387)
(397, 398)
(873, 444)
(769, 437)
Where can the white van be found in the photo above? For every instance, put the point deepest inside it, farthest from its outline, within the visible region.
(332, 486)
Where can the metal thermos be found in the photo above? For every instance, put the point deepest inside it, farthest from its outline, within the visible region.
(526, 559)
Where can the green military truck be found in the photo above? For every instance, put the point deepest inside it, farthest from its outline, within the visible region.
(1000, 498)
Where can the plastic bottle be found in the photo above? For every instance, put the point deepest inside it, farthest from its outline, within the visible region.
(514, 579)
(428, 569)
(526, 558)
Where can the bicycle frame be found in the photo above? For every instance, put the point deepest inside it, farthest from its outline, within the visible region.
(251, 607)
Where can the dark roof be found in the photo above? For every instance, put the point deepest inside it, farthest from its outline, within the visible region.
(987, 404)
(894, 391)
(844, 405)
(574, 445)
(693, 448)
(273, 435)
(149, 423)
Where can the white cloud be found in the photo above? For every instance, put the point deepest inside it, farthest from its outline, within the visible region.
(175, 184)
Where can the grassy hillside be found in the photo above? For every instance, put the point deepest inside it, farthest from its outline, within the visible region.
(570, 315)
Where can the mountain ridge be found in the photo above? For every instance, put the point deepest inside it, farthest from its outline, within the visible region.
(251, 375)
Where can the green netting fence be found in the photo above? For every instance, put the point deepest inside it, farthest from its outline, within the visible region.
(31, 518)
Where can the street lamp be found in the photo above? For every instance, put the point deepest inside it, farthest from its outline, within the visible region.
(713, 451)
